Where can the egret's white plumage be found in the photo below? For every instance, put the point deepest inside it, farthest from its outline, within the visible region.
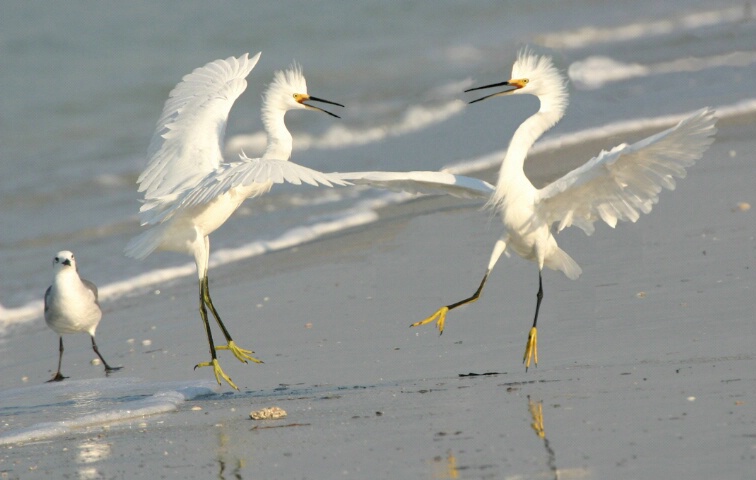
(189, 191)
(616, 185)
(71, 306)
(422, 182)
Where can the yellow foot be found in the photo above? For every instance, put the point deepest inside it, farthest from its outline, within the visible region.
(536, 411)
(218, 371)
(531, 348)
(439, 317)
(240, 353)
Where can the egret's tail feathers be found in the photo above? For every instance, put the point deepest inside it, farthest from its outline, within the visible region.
(559, 260)
(144, 244)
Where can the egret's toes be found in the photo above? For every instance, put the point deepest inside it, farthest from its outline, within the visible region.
(240, 353)
(531, 349)
(218, 372)
(439, 317)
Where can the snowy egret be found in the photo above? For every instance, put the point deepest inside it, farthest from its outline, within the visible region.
(616, 185)
(189, 191)
(71, 306)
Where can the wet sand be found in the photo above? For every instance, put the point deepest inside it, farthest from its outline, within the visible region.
(646, 362)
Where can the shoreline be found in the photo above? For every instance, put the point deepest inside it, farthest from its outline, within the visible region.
(641, 374)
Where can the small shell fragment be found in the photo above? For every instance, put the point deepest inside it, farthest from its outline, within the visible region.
(268, 413)
(742, 207)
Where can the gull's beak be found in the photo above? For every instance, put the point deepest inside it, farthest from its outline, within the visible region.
(303, 97)
(67, 262)
(516, 83)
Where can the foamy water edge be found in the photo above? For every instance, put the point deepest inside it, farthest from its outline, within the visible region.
(362, 213)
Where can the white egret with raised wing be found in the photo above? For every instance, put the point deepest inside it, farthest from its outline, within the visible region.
(190, 191)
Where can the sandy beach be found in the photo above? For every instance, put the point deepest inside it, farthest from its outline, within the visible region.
(646, 362)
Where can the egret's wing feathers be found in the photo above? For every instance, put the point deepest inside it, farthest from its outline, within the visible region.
(249, 172)
(186, 144)
(423, 182)
(618, 184)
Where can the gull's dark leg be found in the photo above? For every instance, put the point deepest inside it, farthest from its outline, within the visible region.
(108, 368)
(531, 348)
(59, 376)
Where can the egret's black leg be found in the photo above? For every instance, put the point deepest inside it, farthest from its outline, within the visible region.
(531, 348)
(240, 353)
(217, 370)
(440, 315)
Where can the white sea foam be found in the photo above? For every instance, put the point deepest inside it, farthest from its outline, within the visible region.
(338, 136)
(596, 71)
(299, 235)
(588, 36)
(362, 213)
(493, 159)
(102, 402)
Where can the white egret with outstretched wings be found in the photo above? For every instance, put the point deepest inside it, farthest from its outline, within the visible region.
(619, 184)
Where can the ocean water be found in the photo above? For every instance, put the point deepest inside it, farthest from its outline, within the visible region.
(83, 85)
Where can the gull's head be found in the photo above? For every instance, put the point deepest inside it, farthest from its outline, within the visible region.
(288, 91)
(535, 75)
(64, 260)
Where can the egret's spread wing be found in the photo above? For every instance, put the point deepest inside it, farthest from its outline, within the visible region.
(618, 184)
(186, 144)
(255, 175)
(423, 182)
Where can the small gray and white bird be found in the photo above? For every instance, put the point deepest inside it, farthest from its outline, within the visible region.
(71, 306)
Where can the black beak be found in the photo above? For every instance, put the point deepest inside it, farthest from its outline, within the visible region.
(67, 262)
(500, 84)
(316, 99)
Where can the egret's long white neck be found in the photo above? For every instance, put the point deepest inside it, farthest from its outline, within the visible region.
(279, 139)
(526, 135)
(511, 174)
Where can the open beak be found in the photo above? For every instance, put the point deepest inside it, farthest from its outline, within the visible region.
(302, 98)
(516, 84)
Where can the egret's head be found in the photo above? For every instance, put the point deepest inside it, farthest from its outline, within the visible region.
(289, 91)
(64, 259)
(535, 75)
